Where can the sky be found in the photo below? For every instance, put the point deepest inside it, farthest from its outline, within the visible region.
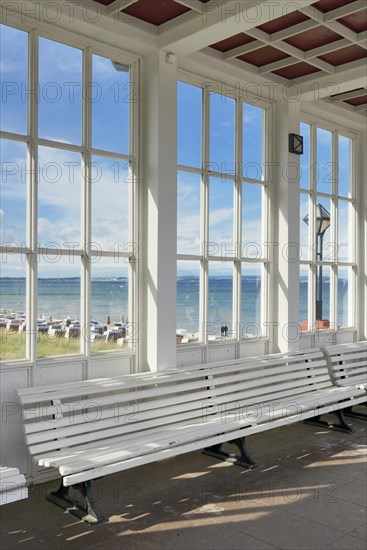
(60, 172)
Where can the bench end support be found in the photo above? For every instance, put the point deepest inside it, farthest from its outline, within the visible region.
(244, 459)
(343, 426)
(86, 510)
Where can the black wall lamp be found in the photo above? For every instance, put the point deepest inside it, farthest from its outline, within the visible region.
(296, 144)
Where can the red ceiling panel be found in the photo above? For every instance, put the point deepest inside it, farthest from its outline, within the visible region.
(328, 5)
(232, 42)
(356, 22)
(314, 38)
(104, 2)
(263, 56)
(156, 12)
(345, 55)
(283, 22)
(357, 100)
(296, 71)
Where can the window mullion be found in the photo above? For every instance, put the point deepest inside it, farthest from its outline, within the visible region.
(204, 217)
(32, 201)
(86, 214)
(237, 221)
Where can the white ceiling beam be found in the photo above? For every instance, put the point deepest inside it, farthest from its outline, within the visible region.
(346, 77)
(322, 50)
(277, 65)
(343, 11)
(259, 35)
(220, 20)
(321, 19)
(347, 95)
(322, 65)
(360, 108)
(118, 6)
(295, 29)
(362, 39)
(192, 4)
(241, 50)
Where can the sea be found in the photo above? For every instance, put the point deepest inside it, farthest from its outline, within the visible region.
(60, 298)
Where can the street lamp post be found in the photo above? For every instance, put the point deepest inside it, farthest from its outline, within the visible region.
(322, 224)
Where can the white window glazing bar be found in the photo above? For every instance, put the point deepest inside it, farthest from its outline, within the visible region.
(32, 200)
(204, 217)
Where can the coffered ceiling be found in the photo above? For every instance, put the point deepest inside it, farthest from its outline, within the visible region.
(306, 43)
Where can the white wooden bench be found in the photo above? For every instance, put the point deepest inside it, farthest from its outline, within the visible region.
(97, 427)
(12, 485)
(348, 367)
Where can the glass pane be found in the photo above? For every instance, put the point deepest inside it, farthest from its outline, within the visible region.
(323, 297)
(58, 321)
(188, 213)
(189, 102)
(13, 202)
(220, 297)
(111, 95)
(252, 241)
(111, 327)
(324, 239)
(13, 306)
(344, 168)
(251, 300)
(188, 293)
(222, 134)
(346, 238)
(305, 158)
(110, 204)
(303, 297)
(60, 92)
(252, 145)
(59, 198)
(304, 226)
(325, 169)
(221, 241)
(345, 315)
(14, 80)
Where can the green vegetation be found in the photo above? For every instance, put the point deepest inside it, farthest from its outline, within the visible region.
(12, 345)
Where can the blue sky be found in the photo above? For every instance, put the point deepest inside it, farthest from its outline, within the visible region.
(60, 172)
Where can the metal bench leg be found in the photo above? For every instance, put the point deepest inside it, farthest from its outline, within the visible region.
(86, 510)
(343, 426)
(353, 414)
(244, 459)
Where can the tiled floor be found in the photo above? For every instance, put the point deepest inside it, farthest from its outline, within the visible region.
(309, 492)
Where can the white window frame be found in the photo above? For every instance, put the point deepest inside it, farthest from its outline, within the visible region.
(204, 259)
(32, 250)
(334, 263)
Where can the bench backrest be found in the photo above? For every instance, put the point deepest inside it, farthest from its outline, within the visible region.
(82, 413)
(348, 363)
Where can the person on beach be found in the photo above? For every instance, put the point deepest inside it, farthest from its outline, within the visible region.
(108, 320)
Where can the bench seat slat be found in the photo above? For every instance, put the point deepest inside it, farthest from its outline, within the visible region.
(68, 426)
(159, 408)
(47, 393)
(99, 471)
(306, 401)
(84, 406)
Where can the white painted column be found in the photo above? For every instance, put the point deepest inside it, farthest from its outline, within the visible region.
(286, 217)
(361, 193)
(157, 291)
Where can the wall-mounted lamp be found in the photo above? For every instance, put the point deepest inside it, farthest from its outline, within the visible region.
(296, 144)
(120, 67)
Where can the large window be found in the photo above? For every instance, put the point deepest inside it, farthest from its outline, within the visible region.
(327, 229)
(221, 223)
(68, 186)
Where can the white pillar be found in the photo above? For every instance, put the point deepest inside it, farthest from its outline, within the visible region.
(157, 290)
(361, 193)
(286, 216)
